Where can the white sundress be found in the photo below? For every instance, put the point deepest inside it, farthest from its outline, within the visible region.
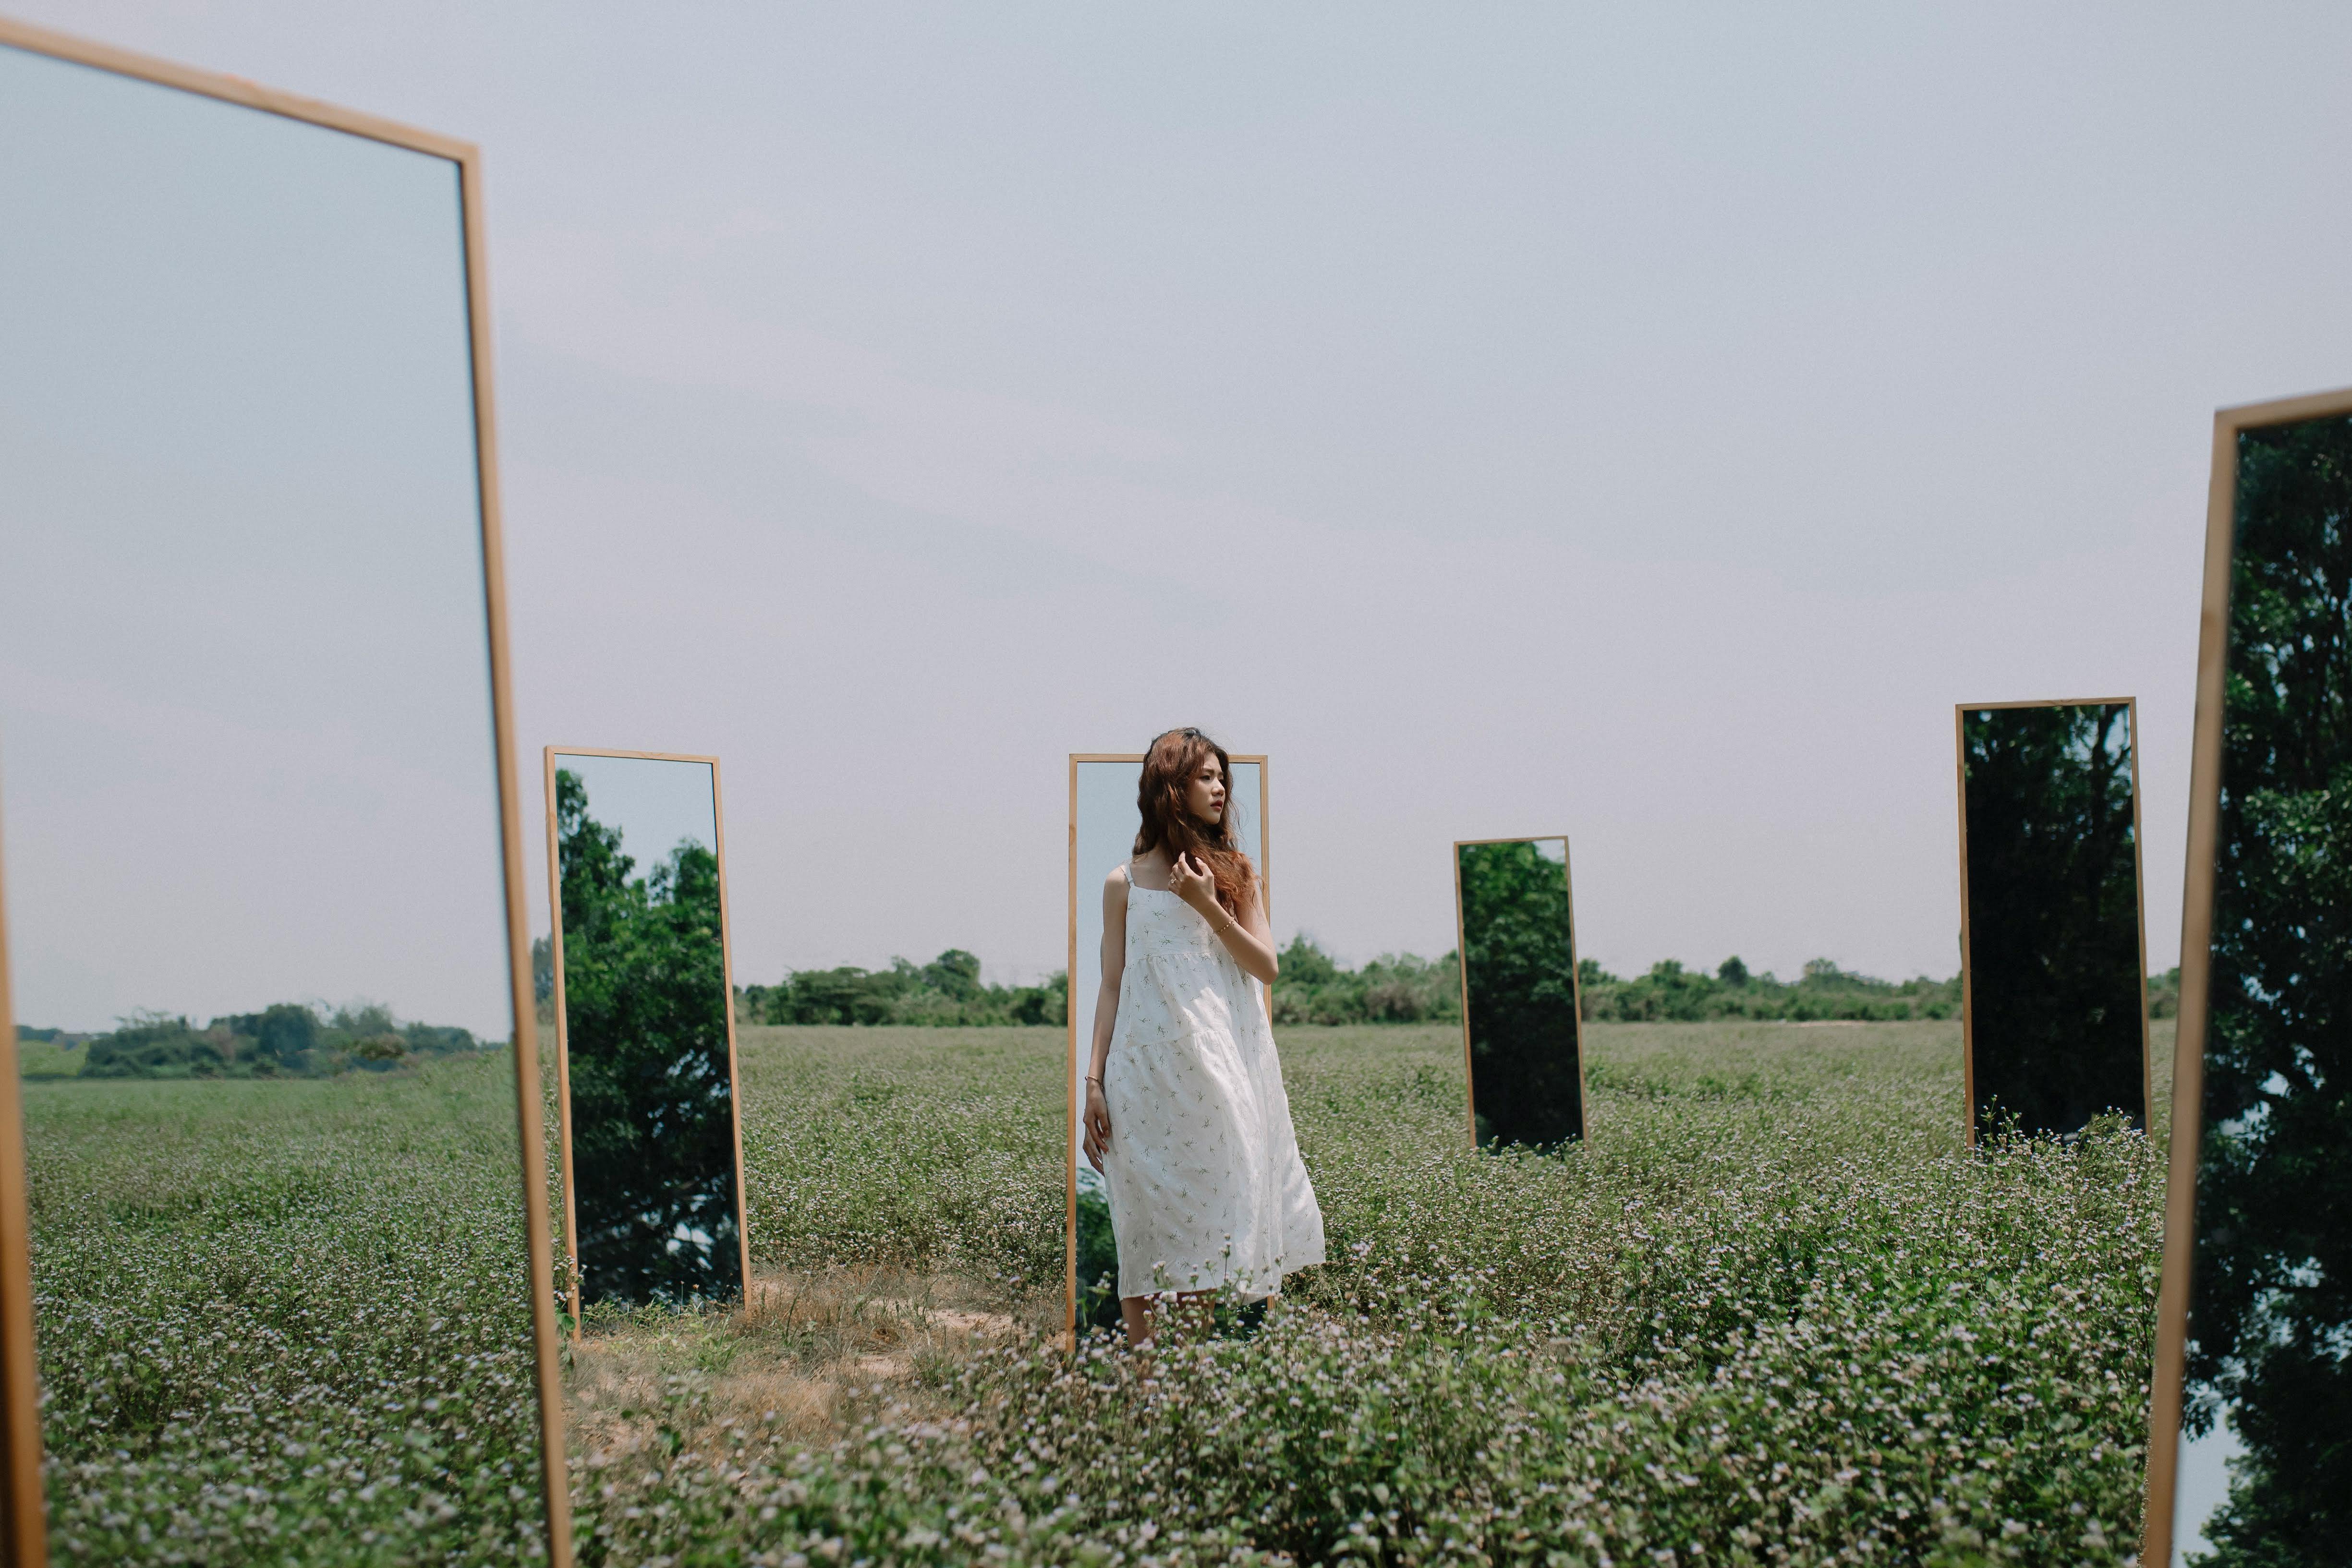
(1202, 1175)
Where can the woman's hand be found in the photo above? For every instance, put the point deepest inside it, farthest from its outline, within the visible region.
(1097, 1125)
(1191, 881)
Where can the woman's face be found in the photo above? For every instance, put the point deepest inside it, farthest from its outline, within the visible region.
(1205, 793)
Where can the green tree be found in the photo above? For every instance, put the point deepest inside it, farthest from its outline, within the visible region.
(653, 1131)
(1526, 1080)
(2270, 1316)
(287, 1032)
(2054, 976)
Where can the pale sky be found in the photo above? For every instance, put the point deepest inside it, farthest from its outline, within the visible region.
(1642, 422)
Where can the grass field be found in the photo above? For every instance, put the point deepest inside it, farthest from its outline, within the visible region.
(283, 1321)
(1771, 1311)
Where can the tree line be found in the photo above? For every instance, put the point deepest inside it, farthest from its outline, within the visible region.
(946, 992)
(1395, 988)
(292, 1040)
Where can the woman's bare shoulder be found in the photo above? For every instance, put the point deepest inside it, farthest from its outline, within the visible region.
(1115, 884)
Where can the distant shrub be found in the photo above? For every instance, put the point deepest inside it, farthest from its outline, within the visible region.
(1670, 993)
(1395, 988)
(155, 1045)
(288, 1038)
(946, 992)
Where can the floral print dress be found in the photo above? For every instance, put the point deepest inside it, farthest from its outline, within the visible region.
(1202, 1174)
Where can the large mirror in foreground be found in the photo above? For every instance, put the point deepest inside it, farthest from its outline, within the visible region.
(262, 950)
(1104, 821)
(1521, 1034)
(2250, 1452)
(2054, 987)
(653, 1185)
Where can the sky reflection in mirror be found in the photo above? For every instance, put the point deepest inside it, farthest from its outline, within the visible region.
(249, 781)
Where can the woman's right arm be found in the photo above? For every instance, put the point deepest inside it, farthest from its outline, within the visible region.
(1114, 964)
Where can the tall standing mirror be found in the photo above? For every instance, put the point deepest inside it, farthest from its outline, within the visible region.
(2053, 950)
(1104, 821)
(2251, 1447)
(1522, 1033)
(653, 1148)
(273, 1276)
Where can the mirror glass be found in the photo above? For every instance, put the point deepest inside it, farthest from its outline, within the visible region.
(1519, 1026)
(2055, 993)
(255, 865)
(1104, 821)
(652, 1151)
(2265, 1464)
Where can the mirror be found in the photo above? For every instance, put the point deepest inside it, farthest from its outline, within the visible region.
(281, 1147)
(1521, 1035)
(1104, 821)
(2251, 1445)
(2053, 953)
(652, 1188)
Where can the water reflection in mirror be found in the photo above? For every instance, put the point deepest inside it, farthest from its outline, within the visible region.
(647, 1040)
(2056, 1022)
(1520, 1028)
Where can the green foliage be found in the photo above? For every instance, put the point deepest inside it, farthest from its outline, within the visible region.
(1672, 993)
(285, 1321)
(1395, 988)
(2054, 974)
(155, 1045)
(1519, 964)
(652, 1075)
(1771, 1311)
(947, 991)
(286, 1038)
(2271, 1318)
(1098, 1305)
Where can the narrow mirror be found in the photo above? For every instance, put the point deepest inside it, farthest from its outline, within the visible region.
(2053, 971)
(644, 1034)
(2251, 1450)
(262, 952)
(1521, 1031)
(1104, 821)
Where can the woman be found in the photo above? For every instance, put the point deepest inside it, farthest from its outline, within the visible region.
(1185, 1116)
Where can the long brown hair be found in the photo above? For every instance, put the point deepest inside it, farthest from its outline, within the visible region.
(1168, 769)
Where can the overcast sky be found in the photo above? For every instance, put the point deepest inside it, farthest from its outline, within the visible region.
(1640, 423)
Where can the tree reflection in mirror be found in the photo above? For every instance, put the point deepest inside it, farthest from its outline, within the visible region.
(1519, 992)
(650, 1068)
(2265, 1473)
(2056, 1024)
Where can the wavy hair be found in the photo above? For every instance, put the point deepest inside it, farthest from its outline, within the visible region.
(1168, 769)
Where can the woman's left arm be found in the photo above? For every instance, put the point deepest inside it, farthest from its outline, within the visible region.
(1250, 939)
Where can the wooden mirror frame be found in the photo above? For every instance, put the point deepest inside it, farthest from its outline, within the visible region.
(23, 1540)
(1070, 1051)
(2140, 898)
(562, 1033)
